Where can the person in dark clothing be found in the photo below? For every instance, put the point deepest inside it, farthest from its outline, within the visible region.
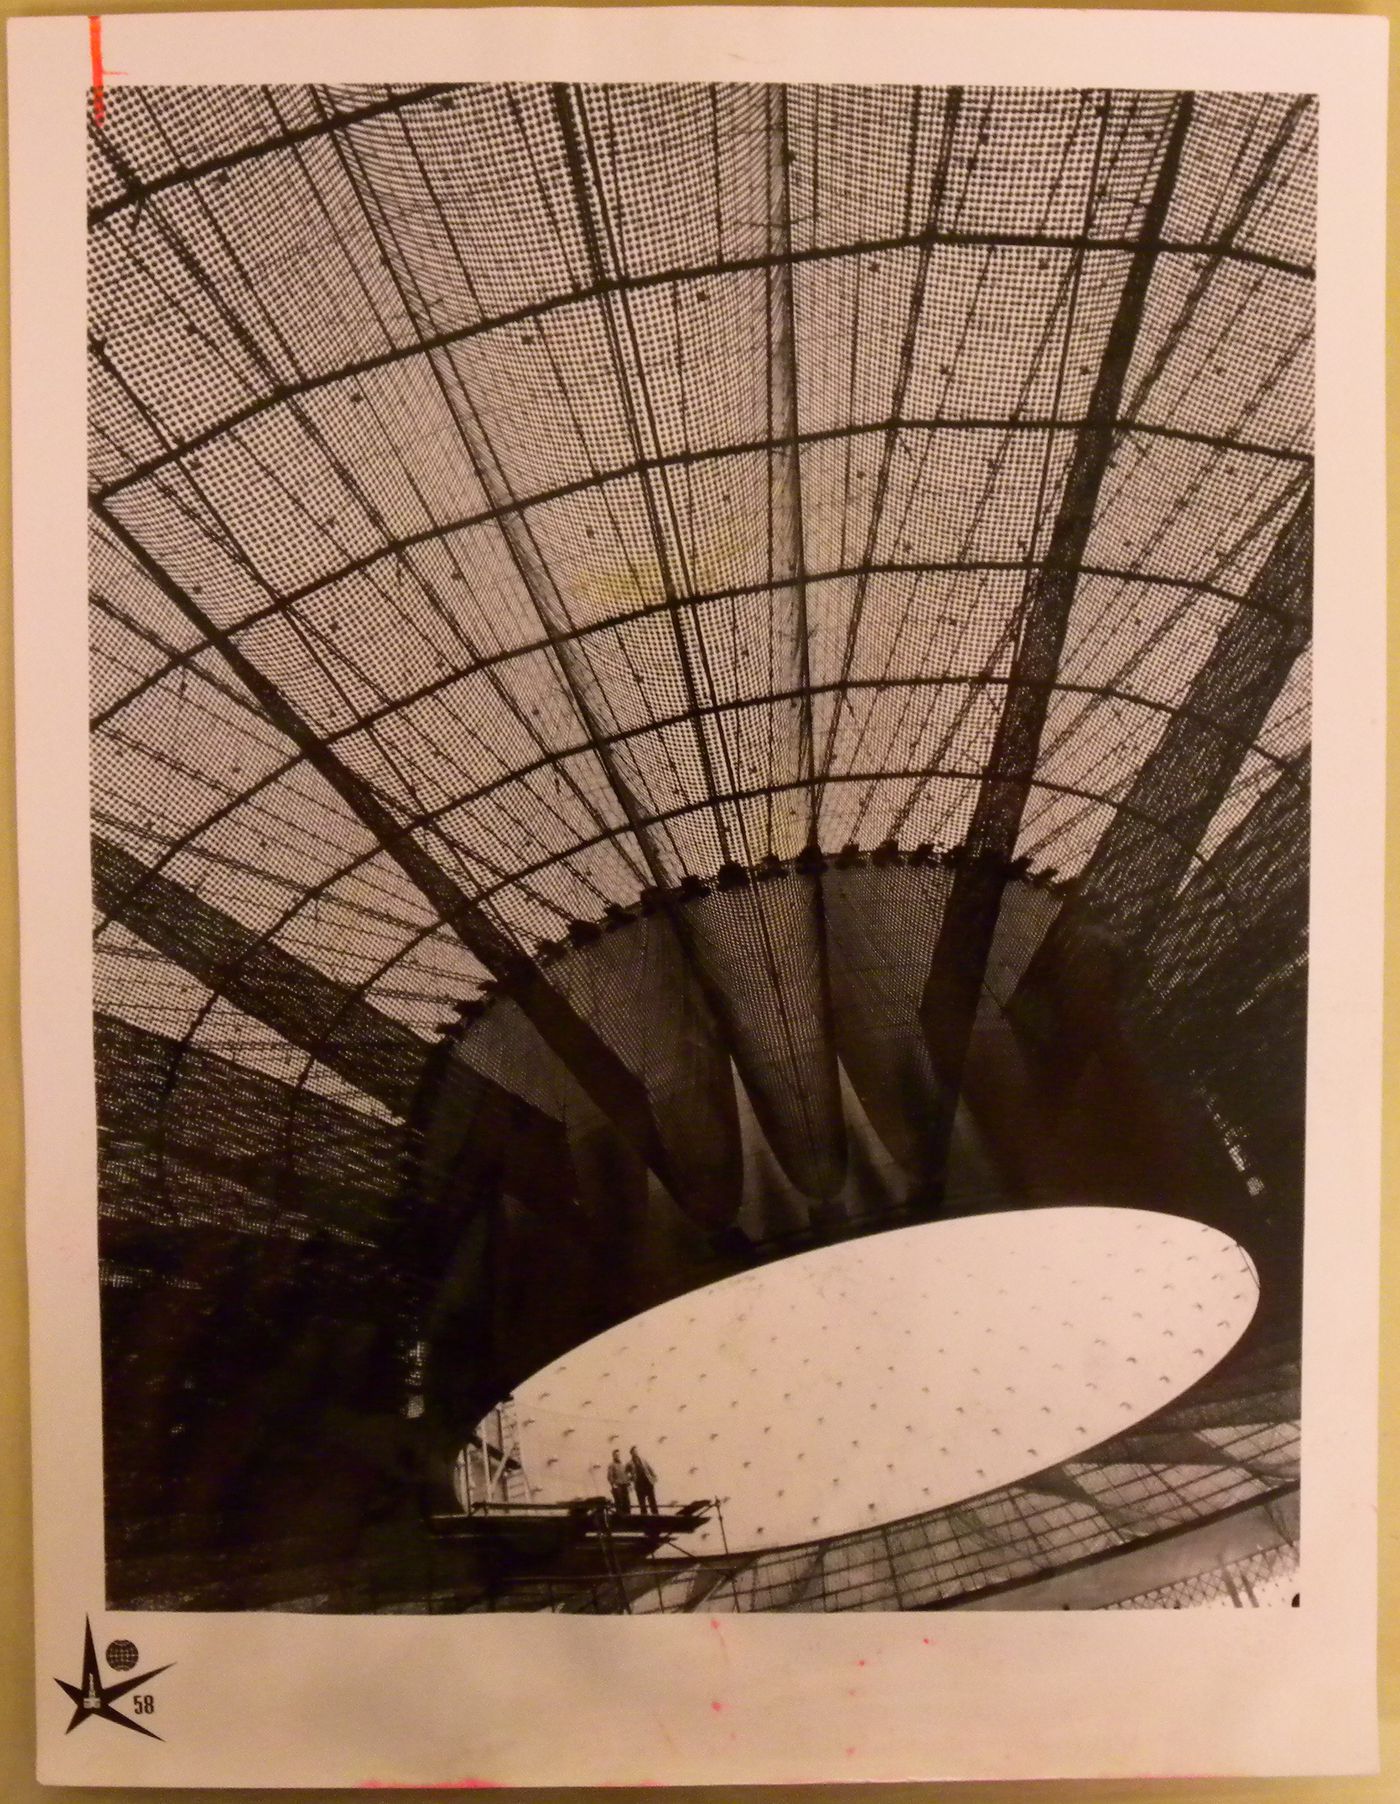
(644, 1478)
(618, 1474)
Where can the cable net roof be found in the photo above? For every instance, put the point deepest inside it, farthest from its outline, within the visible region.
(788, 608)
(628, 480)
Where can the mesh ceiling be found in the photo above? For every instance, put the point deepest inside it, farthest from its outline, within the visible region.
(627, 479)
(512, 505)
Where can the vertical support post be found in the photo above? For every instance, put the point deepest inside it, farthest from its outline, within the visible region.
(894, 1570)
(610, 1554)
(724, 1543)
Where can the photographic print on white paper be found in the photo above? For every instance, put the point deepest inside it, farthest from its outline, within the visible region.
(700, 795)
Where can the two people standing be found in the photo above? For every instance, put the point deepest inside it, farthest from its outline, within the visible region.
(625, 1473)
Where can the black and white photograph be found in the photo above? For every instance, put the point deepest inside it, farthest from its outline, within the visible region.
(700, 784)
(706, 891)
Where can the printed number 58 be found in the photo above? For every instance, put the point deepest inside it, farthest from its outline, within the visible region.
(144, 1705)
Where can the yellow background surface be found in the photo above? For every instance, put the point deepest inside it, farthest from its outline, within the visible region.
(17, 1783)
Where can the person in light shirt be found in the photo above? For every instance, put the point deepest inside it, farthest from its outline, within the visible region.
(619, 1476)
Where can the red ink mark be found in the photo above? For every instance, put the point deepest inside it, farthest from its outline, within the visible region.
(849, 1752)
(860, 1663)
(99, 103)
(715, 1704)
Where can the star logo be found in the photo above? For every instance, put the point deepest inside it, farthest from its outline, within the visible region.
(92, 1698)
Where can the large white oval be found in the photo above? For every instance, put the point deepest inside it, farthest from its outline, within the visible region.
(888, 1375)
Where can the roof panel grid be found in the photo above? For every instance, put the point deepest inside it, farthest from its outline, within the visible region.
(294, 834)
(539, 402)
(467, 192)
(1012, 332)
(138, 985)
(193, 548)
(1098, 749)
(467, 591)
(863, 160)
(150, 299)
(854, 315)
(672, 178)
(1184, 511)
(295, 511)
(152, 776)
(1227, 353)
(937, 625)
(120, 432)
(396, 430)
(120, 589)
(1240, 149)
(969, 497)
(1135, 640)
(1028, 162)
(122, 660)
(708, 359)
(169, 133)
(261, 233)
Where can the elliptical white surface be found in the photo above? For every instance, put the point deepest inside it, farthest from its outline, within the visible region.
(882, 1377)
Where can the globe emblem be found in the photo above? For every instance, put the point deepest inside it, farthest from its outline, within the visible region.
(121, 1655)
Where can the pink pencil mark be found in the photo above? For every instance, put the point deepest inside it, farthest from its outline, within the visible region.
(99, 101)
(715, 1704)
